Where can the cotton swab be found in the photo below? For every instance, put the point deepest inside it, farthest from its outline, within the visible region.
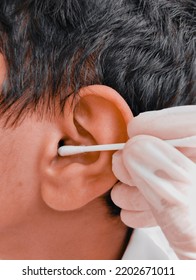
(188, 142)
(73, 150)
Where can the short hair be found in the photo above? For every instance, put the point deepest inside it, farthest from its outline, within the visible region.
(144, 49)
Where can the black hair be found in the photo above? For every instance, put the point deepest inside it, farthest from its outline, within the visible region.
(144, 49)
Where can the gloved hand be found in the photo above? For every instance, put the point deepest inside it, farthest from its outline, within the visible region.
(164, 176)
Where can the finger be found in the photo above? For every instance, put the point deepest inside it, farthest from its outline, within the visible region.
(158, 192)
(159, 171)
(129, 198)
(136, 219)
(157, 155)
(119, 169)
(166, 123)
(189, 153)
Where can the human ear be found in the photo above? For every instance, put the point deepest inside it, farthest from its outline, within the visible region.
(2, 70)
(99, 116)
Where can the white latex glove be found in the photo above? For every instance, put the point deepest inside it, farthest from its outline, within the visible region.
(164, 176)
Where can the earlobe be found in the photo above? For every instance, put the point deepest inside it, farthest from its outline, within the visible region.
(100, 116)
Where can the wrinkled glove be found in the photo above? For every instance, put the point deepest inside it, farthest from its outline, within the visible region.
(160, 179)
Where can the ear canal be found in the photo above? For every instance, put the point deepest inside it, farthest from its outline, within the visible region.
(100, 116)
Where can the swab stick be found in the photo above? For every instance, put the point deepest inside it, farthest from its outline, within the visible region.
(188, 142)
(73, 150)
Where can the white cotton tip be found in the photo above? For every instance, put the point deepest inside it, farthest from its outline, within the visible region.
(73, 150)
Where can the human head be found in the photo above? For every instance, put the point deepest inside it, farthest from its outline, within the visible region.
(144, 50)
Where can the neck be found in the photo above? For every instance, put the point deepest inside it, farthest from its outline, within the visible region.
(87, 233)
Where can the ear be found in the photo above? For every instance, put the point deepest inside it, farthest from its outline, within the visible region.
(2, 70)
(99, 116)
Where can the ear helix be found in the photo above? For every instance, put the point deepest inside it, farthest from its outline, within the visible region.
(73, 181)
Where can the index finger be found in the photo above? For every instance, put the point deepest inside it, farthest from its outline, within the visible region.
(170, 123)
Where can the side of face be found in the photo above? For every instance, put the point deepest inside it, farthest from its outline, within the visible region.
(33, 176)
(19, 172)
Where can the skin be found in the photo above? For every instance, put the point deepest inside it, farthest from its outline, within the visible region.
(37, 220)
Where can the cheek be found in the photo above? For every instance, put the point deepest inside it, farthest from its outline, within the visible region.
(18, 186)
